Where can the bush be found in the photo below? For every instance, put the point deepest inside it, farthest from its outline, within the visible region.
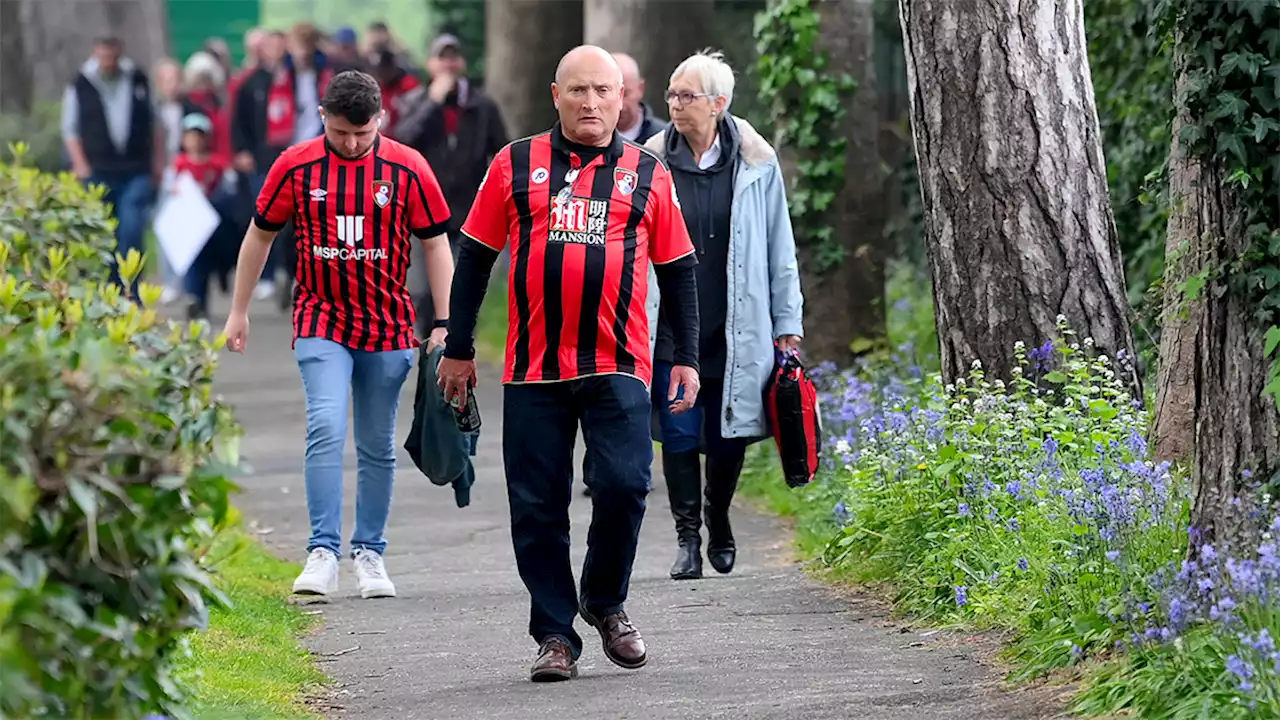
(1030, 506)
(41, 132)
(113, 459)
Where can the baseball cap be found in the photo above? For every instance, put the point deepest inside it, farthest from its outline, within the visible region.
(197, 121)
(345, 35)
(444, 42)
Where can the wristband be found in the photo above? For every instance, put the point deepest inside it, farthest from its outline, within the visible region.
(440, 324)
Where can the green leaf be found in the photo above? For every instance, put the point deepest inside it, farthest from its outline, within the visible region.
(1057, 377)
(1271, 341)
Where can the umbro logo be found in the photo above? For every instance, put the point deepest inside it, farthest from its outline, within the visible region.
(319, 194)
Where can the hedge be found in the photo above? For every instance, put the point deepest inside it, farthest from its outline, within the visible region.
(115, 461)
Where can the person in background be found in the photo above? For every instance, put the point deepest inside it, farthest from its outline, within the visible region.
(253, 45)
(458, 128)
(204, 81)
(734, 203)
(167, 76)
(210, 171)
(218, 48)
(344, 53)
(278, 107)
(397, 84)
(378, 37)
(114, 138)
(636, 121)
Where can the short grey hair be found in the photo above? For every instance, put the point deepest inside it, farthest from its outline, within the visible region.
(712, 72)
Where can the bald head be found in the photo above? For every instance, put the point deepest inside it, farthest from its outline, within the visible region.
(588, 59)
(588, 94)
(629, 67)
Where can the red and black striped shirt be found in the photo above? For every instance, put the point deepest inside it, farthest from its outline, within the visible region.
(583, 228)
(352, 220)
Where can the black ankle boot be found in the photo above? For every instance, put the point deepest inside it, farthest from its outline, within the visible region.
(683, 473)
(722, 483)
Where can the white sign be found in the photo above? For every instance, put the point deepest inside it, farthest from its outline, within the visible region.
(184, 223)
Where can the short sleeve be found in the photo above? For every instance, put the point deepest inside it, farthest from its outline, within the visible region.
(487, 222)
(668, 237)
(428, 211)
(275, 200)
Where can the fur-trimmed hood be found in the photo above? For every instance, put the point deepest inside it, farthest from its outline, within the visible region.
(753, 148)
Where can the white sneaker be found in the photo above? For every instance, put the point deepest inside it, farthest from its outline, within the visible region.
(371, 575)
(320, 576)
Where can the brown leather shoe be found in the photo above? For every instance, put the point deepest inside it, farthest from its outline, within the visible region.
(622, 642)
(555, 662)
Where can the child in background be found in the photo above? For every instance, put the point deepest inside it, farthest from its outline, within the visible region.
(212, 174)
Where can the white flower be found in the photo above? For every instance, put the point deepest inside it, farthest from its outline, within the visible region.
(1061, 318)
(977, 364)
(842, 447)
(1088, 342)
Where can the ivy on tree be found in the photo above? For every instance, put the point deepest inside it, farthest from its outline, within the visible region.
(806, 106)
(1232, 94)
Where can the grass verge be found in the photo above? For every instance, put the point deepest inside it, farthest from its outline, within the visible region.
(491, 325)
(249, 663)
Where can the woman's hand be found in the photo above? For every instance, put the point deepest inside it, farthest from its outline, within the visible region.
(789, 343)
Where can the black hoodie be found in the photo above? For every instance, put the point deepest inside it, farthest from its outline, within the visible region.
(706, 199)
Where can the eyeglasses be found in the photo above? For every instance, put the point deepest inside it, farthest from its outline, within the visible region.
(684, 97)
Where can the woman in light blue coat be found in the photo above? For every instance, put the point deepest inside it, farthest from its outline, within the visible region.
(733, 199)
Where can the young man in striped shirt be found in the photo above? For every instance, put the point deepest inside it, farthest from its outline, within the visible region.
(584, 213)
(354, 197)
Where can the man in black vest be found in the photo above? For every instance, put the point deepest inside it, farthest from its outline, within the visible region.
(113, 138)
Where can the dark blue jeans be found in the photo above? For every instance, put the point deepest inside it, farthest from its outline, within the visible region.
(130, 197)
(540, 424)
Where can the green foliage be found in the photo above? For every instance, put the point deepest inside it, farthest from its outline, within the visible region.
(807, 106)
(112, 466)
(1232, 97)
(1131, 65)
(40, 132)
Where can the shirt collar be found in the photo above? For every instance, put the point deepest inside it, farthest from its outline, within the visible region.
(613, 151)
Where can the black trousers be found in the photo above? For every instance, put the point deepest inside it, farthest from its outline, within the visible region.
(540, 424)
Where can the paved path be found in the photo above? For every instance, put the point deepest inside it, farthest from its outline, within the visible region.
(764, 642)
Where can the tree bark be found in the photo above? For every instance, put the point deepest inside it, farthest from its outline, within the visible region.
(1017, 214)
(1173, 425)
(844, 305)
(524, 41)
(659, 34)
(1218, 368)
(16, 92)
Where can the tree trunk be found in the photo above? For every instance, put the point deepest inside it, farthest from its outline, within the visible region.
(1173, 427)
(58, 36)
(524, 41)
(659, 34)
(844, 304)
(15, 69)
(1219, 368)
(1017, 215)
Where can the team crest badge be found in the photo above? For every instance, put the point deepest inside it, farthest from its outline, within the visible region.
(625, 180)
(382, 192)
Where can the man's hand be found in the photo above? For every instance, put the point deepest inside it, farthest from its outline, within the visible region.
(440, 86)
(81, 170)
(436, 339)
(237, 332)
(454, 375)
(789, 343)
(683, 376)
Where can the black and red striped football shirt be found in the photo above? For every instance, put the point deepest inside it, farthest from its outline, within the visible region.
(352, 220)
(583, 228)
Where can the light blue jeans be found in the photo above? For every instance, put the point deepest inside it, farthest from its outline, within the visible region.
(330, 374)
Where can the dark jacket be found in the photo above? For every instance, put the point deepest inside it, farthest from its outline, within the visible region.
(706, 202)
(138, 155)
(440, 450)
(249, 126)
(460, 162)
(649, 125)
